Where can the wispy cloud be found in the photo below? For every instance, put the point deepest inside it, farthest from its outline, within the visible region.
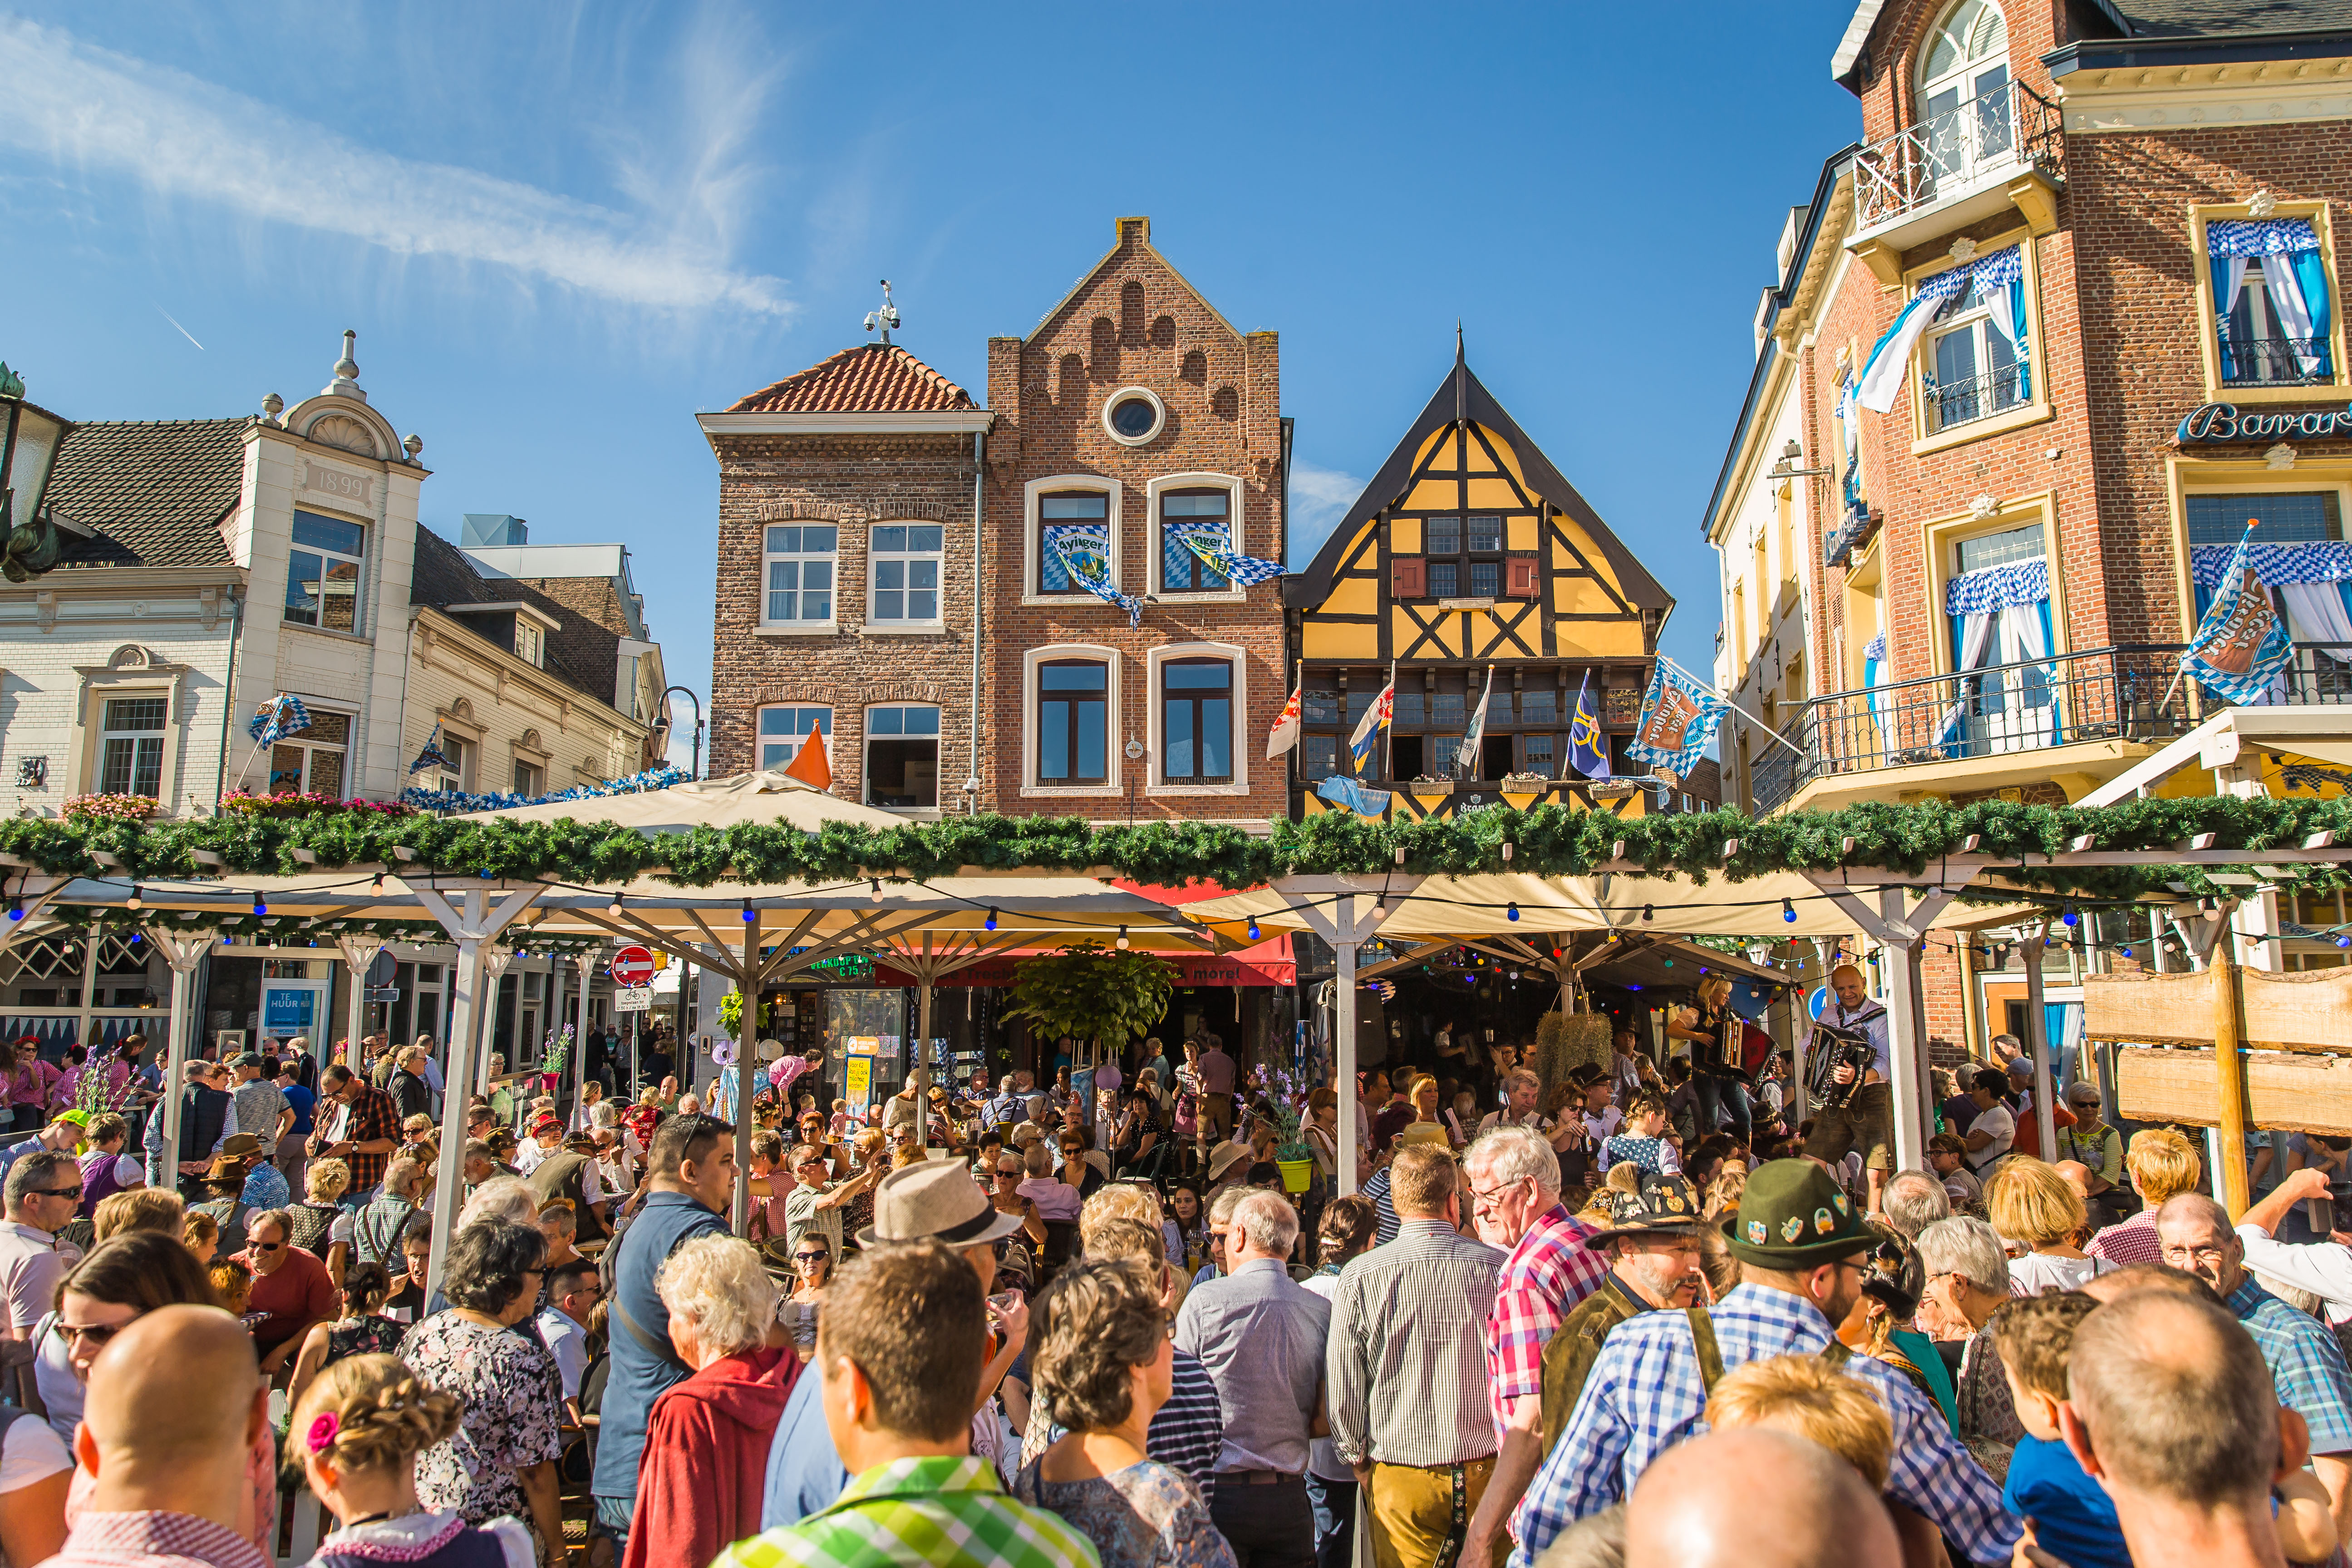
(188, 139)
(1319, 498)
(176, 323)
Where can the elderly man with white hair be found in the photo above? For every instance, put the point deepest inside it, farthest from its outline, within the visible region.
(1260, 1334)
(1913, 1200)
(1513, 1179)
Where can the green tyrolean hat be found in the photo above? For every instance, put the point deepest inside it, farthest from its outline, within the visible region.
(1795, 1216)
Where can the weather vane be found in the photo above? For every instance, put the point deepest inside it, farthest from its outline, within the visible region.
(884, 318)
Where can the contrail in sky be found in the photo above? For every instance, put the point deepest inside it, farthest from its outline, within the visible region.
(174, 320)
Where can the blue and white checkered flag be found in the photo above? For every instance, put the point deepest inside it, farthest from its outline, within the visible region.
(432, 756)
(1083, 549)
(281, 716)
(2240, 645)
(1679, 717)
(1214, 545)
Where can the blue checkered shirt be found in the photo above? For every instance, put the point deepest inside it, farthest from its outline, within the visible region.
(1646, 1394)
(2307, 1367)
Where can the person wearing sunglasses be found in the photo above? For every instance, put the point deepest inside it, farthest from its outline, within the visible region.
(814, 1262)
(292, 1290)
(816, 1203)
(1005, 1195)
(42, 1190)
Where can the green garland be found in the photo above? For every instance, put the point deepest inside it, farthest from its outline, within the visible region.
(1548, 840)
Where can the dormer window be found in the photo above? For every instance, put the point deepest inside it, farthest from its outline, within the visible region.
(531, 642)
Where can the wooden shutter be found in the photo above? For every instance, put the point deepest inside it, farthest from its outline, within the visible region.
(1519, 577)
(1406, 577)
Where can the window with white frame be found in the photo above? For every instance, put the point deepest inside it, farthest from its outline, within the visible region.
(130, 746)
(531, 642)
(323, 573)
(1964, 88)
(903, 562)
(784, 729)
(1206, 513)
(530, 779)
(902, 756)
(1196, 720)
(796, 564)
(1073, 722)
(312, 761)
(1975, 358)
(1059, 509)
(460, 772)
(2271, 297)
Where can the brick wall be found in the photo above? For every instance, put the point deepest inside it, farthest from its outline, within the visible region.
(1134, 321)
(851, 482)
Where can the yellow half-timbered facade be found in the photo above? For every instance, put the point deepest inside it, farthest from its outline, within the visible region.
(1469, 558)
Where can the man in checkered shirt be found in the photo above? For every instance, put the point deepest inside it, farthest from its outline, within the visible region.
(1513, 1178)
(1799, 1240)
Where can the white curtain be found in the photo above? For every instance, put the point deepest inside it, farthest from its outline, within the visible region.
(2316, 613)
(2023, 640)
(1976, 638)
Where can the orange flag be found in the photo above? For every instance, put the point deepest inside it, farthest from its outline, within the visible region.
(812, 766)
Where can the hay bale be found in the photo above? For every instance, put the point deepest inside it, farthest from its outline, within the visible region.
(1566, 1041)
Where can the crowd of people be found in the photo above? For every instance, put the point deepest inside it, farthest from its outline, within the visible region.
(1117, 1323)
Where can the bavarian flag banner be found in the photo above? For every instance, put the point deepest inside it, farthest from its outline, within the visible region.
(1679, 716)
(1587, 750)
(2240, 645)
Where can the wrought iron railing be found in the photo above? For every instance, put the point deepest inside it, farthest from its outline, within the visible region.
(2007, 128)
(2111, 693)
(1959, 400)
(2274, 362)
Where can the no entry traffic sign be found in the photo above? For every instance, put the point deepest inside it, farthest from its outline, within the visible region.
(633, 966)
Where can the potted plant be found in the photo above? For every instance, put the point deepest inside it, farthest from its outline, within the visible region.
(1285, 1100)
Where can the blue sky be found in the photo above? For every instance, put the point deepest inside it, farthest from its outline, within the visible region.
(560, 232)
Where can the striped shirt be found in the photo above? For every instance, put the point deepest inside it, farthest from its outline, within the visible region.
(1184, 1435)
(942, 1512)
(1384, 1215)
(1261, 1337)
(1646, 1393)
(1406, 1367)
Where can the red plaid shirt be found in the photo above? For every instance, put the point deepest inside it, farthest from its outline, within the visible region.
(2133, 1241)
(372, 1116)
(1552, 1268)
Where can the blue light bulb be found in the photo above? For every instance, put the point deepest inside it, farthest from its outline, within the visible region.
(1512, 911)
(1787, 911)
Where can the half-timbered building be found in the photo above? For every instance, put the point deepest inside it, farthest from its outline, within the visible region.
(1468, 560)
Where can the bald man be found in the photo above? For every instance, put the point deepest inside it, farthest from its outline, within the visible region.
(2173, 1413)
(175, 1408)
(1753, 1497)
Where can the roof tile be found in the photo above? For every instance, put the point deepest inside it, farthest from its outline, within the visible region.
(872, 378)
(154, 491)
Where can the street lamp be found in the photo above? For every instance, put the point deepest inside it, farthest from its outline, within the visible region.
(690, 697)
(28, 454)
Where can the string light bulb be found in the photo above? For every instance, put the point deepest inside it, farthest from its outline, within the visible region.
(1648, 913)
(1253, 927)
(260, 906)
(749, 914)
(378, 884)
(1511, 910)
(2070, 917)
(1122, 936)
(989, 923)
(137, 899)
(1787, 911)
(1381, 908)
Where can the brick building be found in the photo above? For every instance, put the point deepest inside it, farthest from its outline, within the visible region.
(847, 499)
(1133, 413)
(2041, 341)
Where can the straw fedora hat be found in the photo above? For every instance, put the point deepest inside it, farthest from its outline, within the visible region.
(1224, 1157)
(935, 1201)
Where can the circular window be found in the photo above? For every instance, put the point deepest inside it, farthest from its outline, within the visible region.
(1133, 415)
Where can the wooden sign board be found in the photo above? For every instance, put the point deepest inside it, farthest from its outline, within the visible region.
(2302, 1091)
(2311, 1011)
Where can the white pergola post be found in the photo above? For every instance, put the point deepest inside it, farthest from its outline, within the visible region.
(747, 1053)
(359, 951)
(2037, 1042)
(1345, 911)
(472, 923)
(1898, 915)
(183, 951)
(558, 973)
(584, 960)
(495, 957)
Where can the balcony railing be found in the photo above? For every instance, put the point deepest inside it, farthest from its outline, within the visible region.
(2009, 128)
(2275, 362)
(1965, 398)
(2102, 694)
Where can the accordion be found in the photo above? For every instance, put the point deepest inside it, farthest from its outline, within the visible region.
(1831, 1048)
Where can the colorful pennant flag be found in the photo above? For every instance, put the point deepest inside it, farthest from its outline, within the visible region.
(1084, 551)
(1466, 755)
(281, 716)
(1341, 790)
(1680, 714)
(432, 756)
(2240, 645)
(1284, 732)
(1373, 726)
(1588, 749)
